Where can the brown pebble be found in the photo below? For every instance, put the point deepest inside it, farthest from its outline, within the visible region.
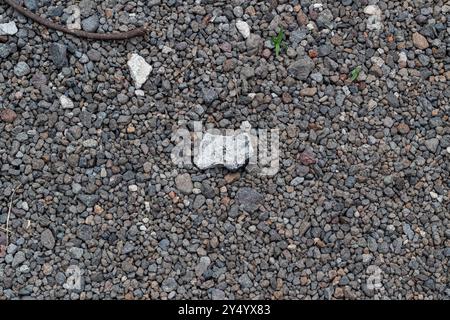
(232, 177)
(3, 39)
(403, 128)
(7, 115)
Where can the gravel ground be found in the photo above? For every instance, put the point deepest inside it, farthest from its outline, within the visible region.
(358, 209)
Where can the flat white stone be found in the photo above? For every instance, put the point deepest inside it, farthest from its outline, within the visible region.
(74, 20)
(139, 93)
(230, 151)
(372, 10)
(374, 21)
(139, 69)
(166, 49)
(378, 61)
(243, 28)
(8, 29)
(66, 103)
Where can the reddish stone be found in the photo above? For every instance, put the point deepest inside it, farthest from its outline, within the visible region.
(302, 19)
(228, 65)
(7, 115)
(225, 47)
(307, 158)
(403, 128)
(286, 97)
(312, 53)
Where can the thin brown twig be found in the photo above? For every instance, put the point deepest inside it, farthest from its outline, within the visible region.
(9, 213)
(78, 33)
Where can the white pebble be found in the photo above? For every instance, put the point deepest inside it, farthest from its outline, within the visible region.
(243, 28)
(139, 70)
(8, 29)
(66, 103)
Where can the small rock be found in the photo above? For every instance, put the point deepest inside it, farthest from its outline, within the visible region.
(18, 259)
(249, 199)
(231, 151)
(403, 128)
(308, 92)
(184, 184)
(169, 285)
(88, 200)
(243, 28)
(372, 10)
(90, 143)
(76, 253)
(7, 115)
(66, 103)
(8, 29)
(232, 177)
(58, 54)
(301, 68)
(209, 95)
(91, 23)
(202, 266)
(39, 80)
(21, 69)
(392, 100)
(307, 157)
(432, 144)
(217, 294)
(139, 69)
(419, 41)
(245, 281)
(47, 239)
(74, 20)
(31, 5)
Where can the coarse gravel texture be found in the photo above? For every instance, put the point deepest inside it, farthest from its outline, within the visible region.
(361, 196)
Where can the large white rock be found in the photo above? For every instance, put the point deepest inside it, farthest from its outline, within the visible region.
(74, 20)
(8, 29)
(374, 20)
(66, 103)
(372, 10)
(243, 28)
(139, 69)
(230, 151)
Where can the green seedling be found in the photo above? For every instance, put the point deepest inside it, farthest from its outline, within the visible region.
(355, 73)
(278, 42)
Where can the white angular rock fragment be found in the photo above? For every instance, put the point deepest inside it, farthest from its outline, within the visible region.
(402, 59)
(377, 61)
(139, 69)
(8, 29)
(90, 143)
(372, 10)
(243, 28)
(139, 93)
(133, 188)
(66, 103)
(448, 150)
(374, 19)
(166, 49)
(74, 20)
(230, 151)
(433, 194)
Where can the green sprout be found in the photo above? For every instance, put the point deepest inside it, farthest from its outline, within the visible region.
(355, 73)
(278, 42)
